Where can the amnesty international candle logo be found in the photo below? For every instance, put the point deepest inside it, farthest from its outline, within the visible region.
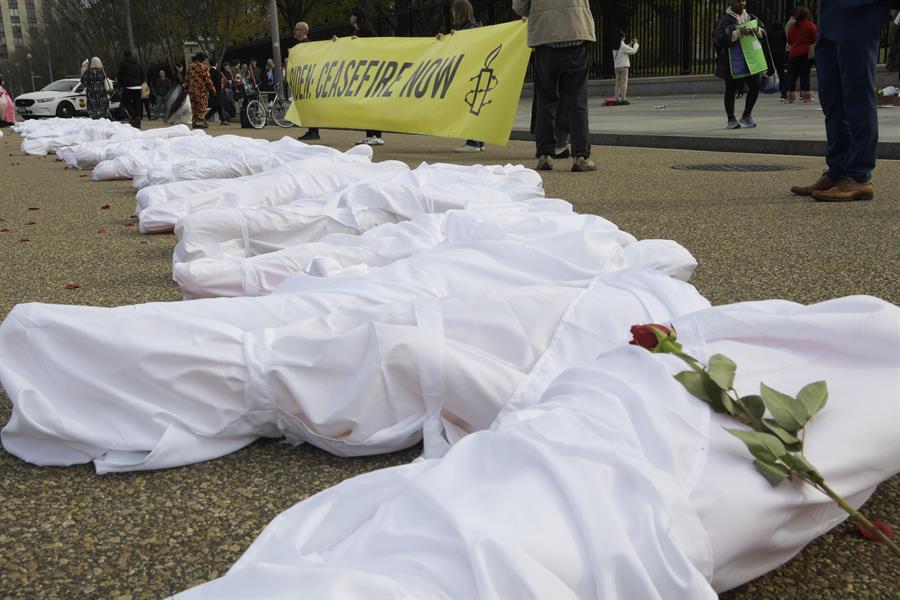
(485, 82)
(446, 86)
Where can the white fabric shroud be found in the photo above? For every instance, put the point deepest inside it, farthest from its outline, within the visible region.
(546, 226)
(296, 209)
(234, 160)
(304, 181)
(612, 482)
(339, 366)
(87, 155)
(45, 136)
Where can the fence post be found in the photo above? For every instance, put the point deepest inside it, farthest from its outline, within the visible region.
(687, 37)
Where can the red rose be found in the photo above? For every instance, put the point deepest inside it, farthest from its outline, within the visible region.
(645, 336)
(884, 528)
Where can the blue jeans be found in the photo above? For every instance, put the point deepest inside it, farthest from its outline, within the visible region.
(846, 74)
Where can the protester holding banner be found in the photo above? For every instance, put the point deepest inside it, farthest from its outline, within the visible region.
(301, 34)
(464, 18)
(559, 30)
(362, 27)
(741, 57)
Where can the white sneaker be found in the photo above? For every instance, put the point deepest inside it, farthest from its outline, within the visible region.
(468, 148)
(371, 141)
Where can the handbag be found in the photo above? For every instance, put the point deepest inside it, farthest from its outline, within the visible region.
(108, 85)
(770, 84)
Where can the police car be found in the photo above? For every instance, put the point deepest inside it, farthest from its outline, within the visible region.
(62, 98)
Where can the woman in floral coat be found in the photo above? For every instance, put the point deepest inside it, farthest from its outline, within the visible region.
(95, 90)
(198, 83)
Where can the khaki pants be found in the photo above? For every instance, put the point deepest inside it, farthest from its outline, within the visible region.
(621, 82)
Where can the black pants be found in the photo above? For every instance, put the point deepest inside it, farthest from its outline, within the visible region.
(752, 94)
(560, 88)
(131, 100)
(146, 103)
(799, 68)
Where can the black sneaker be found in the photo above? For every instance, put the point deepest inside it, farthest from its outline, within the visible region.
(309, 135)
(564, 153)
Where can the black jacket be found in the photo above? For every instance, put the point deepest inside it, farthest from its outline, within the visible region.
(130, 74)
(722, 36)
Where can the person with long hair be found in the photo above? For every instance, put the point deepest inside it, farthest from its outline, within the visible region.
(94, 80)
(362, 27)
(801, 37)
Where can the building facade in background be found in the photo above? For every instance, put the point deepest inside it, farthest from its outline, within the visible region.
(20, 21)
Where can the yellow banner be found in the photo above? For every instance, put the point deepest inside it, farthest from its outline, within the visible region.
(465, 85)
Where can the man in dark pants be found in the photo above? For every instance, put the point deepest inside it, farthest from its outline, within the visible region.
(301, 34)
(130, 77)
(846, 54)
(559, 32)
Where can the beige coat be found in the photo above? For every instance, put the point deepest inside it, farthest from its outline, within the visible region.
(551, 21)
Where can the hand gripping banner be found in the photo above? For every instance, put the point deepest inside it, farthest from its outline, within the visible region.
(465, 85)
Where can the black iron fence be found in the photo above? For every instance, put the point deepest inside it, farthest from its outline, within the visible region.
(675, 35)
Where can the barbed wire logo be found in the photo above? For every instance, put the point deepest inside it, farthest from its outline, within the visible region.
(485, 82)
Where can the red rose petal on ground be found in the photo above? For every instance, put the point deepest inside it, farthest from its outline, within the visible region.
(30, 222)
(104, 206)
(128, 225)
(24, 240)
(72, 286)
(884, 528)
(101, 231)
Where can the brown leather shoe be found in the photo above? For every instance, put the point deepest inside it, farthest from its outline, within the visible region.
(847, 190)
(823, 183)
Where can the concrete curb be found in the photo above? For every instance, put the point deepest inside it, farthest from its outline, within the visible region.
(886, 150)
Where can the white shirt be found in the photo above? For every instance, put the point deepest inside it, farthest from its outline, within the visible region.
(621, 56)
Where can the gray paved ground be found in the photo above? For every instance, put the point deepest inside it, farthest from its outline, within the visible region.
(704, 115)
(698, 123)
(66, 532)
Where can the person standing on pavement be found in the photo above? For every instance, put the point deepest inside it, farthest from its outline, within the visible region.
(94, 80)
(464, 18)
(801, 37)
(559, 32)
(198, 83)
(215, 101)
(362, 27)
(162, 85)
(726, 35)
(846, 55)
(130, 77)
(301, 34)
(622, 62)
(146, 93)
